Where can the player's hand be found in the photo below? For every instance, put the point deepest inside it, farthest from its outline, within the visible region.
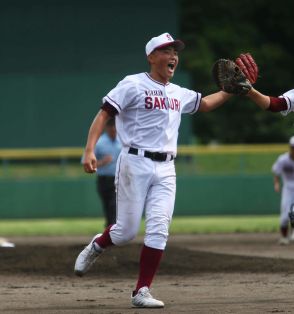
(277, 187)
(90, 162)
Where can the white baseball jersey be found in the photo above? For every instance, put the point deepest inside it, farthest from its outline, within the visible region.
(150, 112)
(284, 167)
(289, 96)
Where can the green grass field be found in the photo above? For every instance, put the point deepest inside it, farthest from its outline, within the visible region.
(180, 225)
(226, 161)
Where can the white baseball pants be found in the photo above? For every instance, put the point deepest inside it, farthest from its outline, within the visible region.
(143, 184)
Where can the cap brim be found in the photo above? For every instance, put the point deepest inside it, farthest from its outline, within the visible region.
(177, 44)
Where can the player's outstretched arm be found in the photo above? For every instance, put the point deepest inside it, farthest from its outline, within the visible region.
(274, 104)
(96, 129)
(213, 101)
(261, 100)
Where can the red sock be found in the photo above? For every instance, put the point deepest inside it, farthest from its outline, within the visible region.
(284, 231)
(104, 241)
(149, 262)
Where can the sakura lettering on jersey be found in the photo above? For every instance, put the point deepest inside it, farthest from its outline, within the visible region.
(160, 102)
(142, 101)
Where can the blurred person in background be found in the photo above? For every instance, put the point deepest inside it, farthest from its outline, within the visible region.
(107, 150)
(283, 170)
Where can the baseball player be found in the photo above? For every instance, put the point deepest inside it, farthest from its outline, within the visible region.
(147, 109)
(283, 104)
(283, 169)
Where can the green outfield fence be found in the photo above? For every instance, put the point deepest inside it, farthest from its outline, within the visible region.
(211, 180)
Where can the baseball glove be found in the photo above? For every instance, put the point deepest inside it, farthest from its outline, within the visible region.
(229, 77)
(248, 66)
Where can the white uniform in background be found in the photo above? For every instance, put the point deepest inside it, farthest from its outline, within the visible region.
(284, 168)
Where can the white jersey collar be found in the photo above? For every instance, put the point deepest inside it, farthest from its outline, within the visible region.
(156, 81)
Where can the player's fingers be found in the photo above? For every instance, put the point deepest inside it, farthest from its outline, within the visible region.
(88, 167)
(94, 165)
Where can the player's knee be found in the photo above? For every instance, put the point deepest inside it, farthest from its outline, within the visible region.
(157, 234)
(156, 240)
(123, 236)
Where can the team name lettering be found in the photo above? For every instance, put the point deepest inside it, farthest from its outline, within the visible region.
(153, 93)
(162, 103)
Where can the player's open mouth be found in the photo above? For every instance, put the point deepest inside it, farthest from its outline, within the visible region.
(171, 66)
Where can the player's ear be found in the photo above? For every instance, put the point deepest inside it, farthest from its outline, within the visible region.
(150, 58)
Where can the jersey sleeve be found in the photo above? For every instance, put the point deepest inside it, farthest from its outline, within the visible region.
(190, 101)
(123, 95)
(289, 97)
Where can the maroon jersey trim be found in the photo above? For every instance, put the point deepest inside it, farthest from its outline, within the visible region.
(155, 80)
(112, 111)
(277, 104)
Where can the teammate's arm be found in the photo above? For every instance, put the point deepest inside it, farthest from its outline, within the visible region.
(96, 129)
(274, 104)
(213, 101)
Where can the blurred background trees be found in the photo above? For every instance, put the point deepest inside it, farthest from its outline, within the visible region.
(60, 57)
(58, 60)
(224, 29)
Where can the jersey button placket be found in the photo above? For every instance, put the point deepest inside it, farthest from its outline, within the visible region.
(166, 95)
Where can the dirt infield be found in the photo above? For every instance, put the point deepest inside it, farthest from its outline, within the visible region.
(243, 273)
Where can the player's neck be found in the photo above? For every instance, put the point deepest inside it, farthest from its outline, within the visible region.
(159, 78)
